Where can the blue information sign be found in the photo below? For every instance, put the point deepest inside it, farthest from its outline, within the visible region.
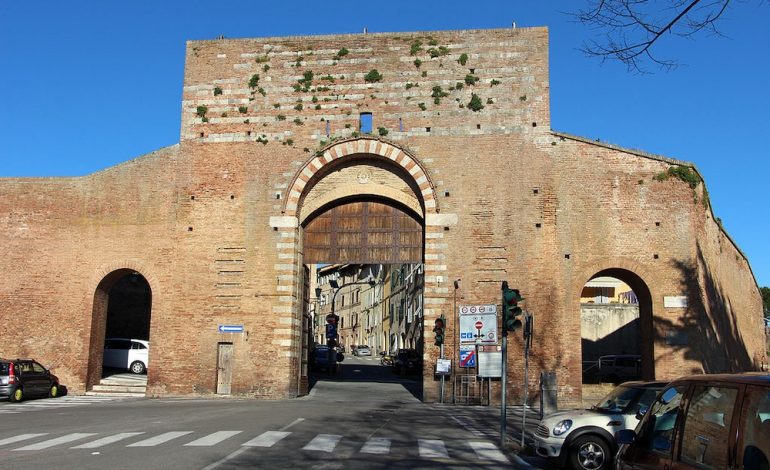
(231, 328)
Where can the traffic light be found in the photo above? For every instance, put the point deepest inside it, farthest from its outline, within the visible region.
(511, 309)
(438, 329)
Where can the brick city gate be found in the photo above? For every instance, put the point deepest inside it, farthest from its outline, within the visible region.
(450, 127)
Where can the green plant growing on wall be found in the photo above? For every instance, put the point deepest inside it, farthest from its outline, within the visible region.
(438, 93)
(475, 103)
(262, 139)
(217, 91)
(463, 58)
(382, 131)
(341, 53)
(354, 134)
(422, 106)
(432, 42)
(254, 81)
(298, 107)
(411, 85)
(523, 98)
(490, 101)
(298, 121)
(289, 142)
(459, 86)
(373, 76)
(261, 91)
(261, 59)
(417, 63)
(681, 172)
(347, 126)
(441, 51)
(494, 82)
(415, 47)
(328, 78)
(276, 105)
(471, 79)
(243, 109)
(223, 115)
(424, 73)
(280, 117)
(321, 89)
(201, 111)
(266, 67)
(298, 62)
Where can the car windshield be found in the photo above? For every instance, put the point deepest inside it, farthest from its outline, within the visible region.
(618, 399)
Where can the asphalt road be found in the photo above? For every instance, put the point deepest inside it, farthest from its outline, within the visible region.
(363, 417)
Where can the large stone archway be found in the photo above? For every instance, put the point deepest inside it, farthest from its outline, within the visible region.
(365, 169)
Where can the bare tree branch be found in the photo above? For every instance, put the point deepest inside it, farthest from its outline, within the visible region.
(629, 29)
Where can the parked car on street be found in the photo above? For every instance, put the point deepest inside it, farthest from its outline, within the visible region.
(23, 378)
(407, 361)
(130, 354)
(703, 421)
(362, 350)
(584, 439)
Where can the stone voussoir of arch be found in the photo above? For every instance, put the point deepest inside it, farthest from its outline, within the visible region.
(355, 146)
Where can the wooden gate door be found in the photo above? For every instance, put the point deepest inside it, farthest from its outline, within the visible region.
(224, 368)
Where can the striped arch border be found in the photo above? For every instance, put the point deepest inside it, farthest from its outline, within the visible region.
(361, 145)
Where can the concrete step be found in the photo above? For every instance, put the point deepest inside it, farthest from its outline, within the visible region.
(93, 393)
(125, 381)
(120, 388)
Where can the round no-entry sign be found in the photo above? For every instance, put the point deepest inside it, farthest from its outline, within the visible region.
(479, 325)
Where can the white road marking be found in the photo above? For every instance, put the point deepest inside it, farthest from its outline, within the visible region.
(20, 437)
(323, 443)
(266, 439)
(214, 438)
(55, 442)
(160, 439)
(432, 448)
(107, 440)
(376, 445)
(488, 451)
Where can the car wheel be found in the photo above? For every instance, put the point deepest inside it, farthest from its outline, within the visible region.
(53, 392)
(17, 395)
(137, 367)
(590, 453)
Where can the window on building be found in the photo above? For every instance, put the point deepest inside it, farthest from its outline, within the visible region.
(365, 123)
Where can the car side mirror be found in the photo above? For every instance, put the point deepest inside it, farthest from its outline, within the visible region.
(340, 357)
(625, 436)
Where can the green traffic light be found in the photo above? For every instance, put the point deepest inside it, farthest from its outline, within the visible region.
(511, 310)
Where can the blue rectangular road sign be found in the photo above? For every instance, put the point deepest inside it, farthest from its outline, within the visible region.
(468, 357)
(231, 328)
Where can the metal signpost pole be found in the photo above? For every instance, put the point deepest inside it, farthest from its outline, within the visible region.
(504, 379)
(527, 319)
(441, 357)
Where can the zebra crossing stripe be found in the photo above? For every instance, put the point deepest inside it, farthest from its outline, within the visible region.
(432, 448)
(19, 438)
(55, 442)
(107, 440)
(159, 439)
(488, 451)
(266, 439)
(213, 438)
(323, 443)
(376, 445)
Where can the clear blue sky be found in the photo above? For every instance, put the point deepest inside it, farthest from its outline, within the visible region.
(87, 85)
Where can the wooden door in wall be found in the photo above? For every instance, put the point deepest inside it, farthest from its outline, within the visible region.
(224, 368)
(363, 232)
